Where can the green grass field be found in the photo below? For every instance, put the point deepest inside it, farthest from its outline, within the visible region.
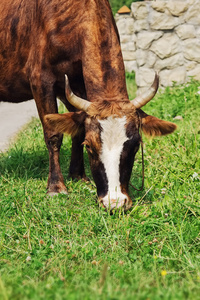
(67, 247)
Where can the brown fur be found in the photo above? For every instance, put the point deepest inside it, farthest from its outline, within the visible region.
(152, 126)
(104, 109)
(69, 123)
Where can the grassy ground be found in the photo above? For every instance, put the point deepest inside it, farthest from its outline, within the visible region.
(67, 248)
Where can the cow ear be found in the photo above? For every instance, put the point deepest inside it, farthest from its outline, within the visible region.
(152, 126)
(69, 123)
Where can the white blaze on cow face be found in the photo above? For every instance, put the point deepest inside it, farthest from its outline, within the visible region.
(113, 137)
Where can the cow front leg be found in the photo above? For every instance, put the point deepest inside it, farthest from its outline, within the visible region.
(45, 99)
(76, 170)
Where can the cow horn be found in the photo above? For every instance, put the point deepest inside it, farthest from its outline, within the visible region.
(143, 99)
(76, 101)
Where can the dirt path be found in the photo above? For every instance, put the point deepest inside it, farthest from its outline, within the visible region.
(12, 118)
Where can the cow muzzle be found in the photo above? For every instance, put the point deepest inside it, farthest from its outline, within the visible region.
(119, 201)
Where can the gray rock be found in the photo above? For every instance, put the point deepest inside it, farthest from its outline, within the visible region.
(161, 21)
(145, 38)
(166, 46)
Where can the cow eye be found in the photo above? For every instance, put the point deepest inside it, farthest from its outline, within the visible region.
(87, 147)
(90, 148)
(86, 143)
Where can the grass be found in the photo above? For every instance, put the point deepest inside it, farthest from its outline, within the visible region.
(66, 247)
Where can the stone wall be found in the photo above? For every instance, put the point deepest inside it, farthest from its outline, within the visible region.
(161, 36)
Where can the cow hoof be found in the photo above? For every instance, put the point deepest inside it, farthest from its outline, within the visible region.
(54, 190)
(79, 177)
(52, 194)
(86, 179)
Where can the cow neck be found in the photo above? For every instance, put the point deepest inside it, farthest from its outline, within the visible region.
(107, 83)
(102, 62)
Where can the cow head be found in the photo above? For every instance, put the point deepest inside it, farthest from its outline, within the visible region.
(112, 138)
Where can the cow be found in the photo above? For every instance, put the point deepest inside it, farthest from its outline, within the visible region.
(70, 49)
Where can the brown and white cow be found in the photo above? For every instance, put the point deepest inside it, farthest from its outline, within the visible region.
(40, 42)
(112, 139)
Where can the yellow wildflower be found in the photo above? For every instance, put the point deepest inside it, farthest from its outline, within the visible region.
(163, 272)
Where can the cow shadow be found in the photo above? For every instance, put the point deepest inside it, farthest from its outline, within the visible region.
(34, 163)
